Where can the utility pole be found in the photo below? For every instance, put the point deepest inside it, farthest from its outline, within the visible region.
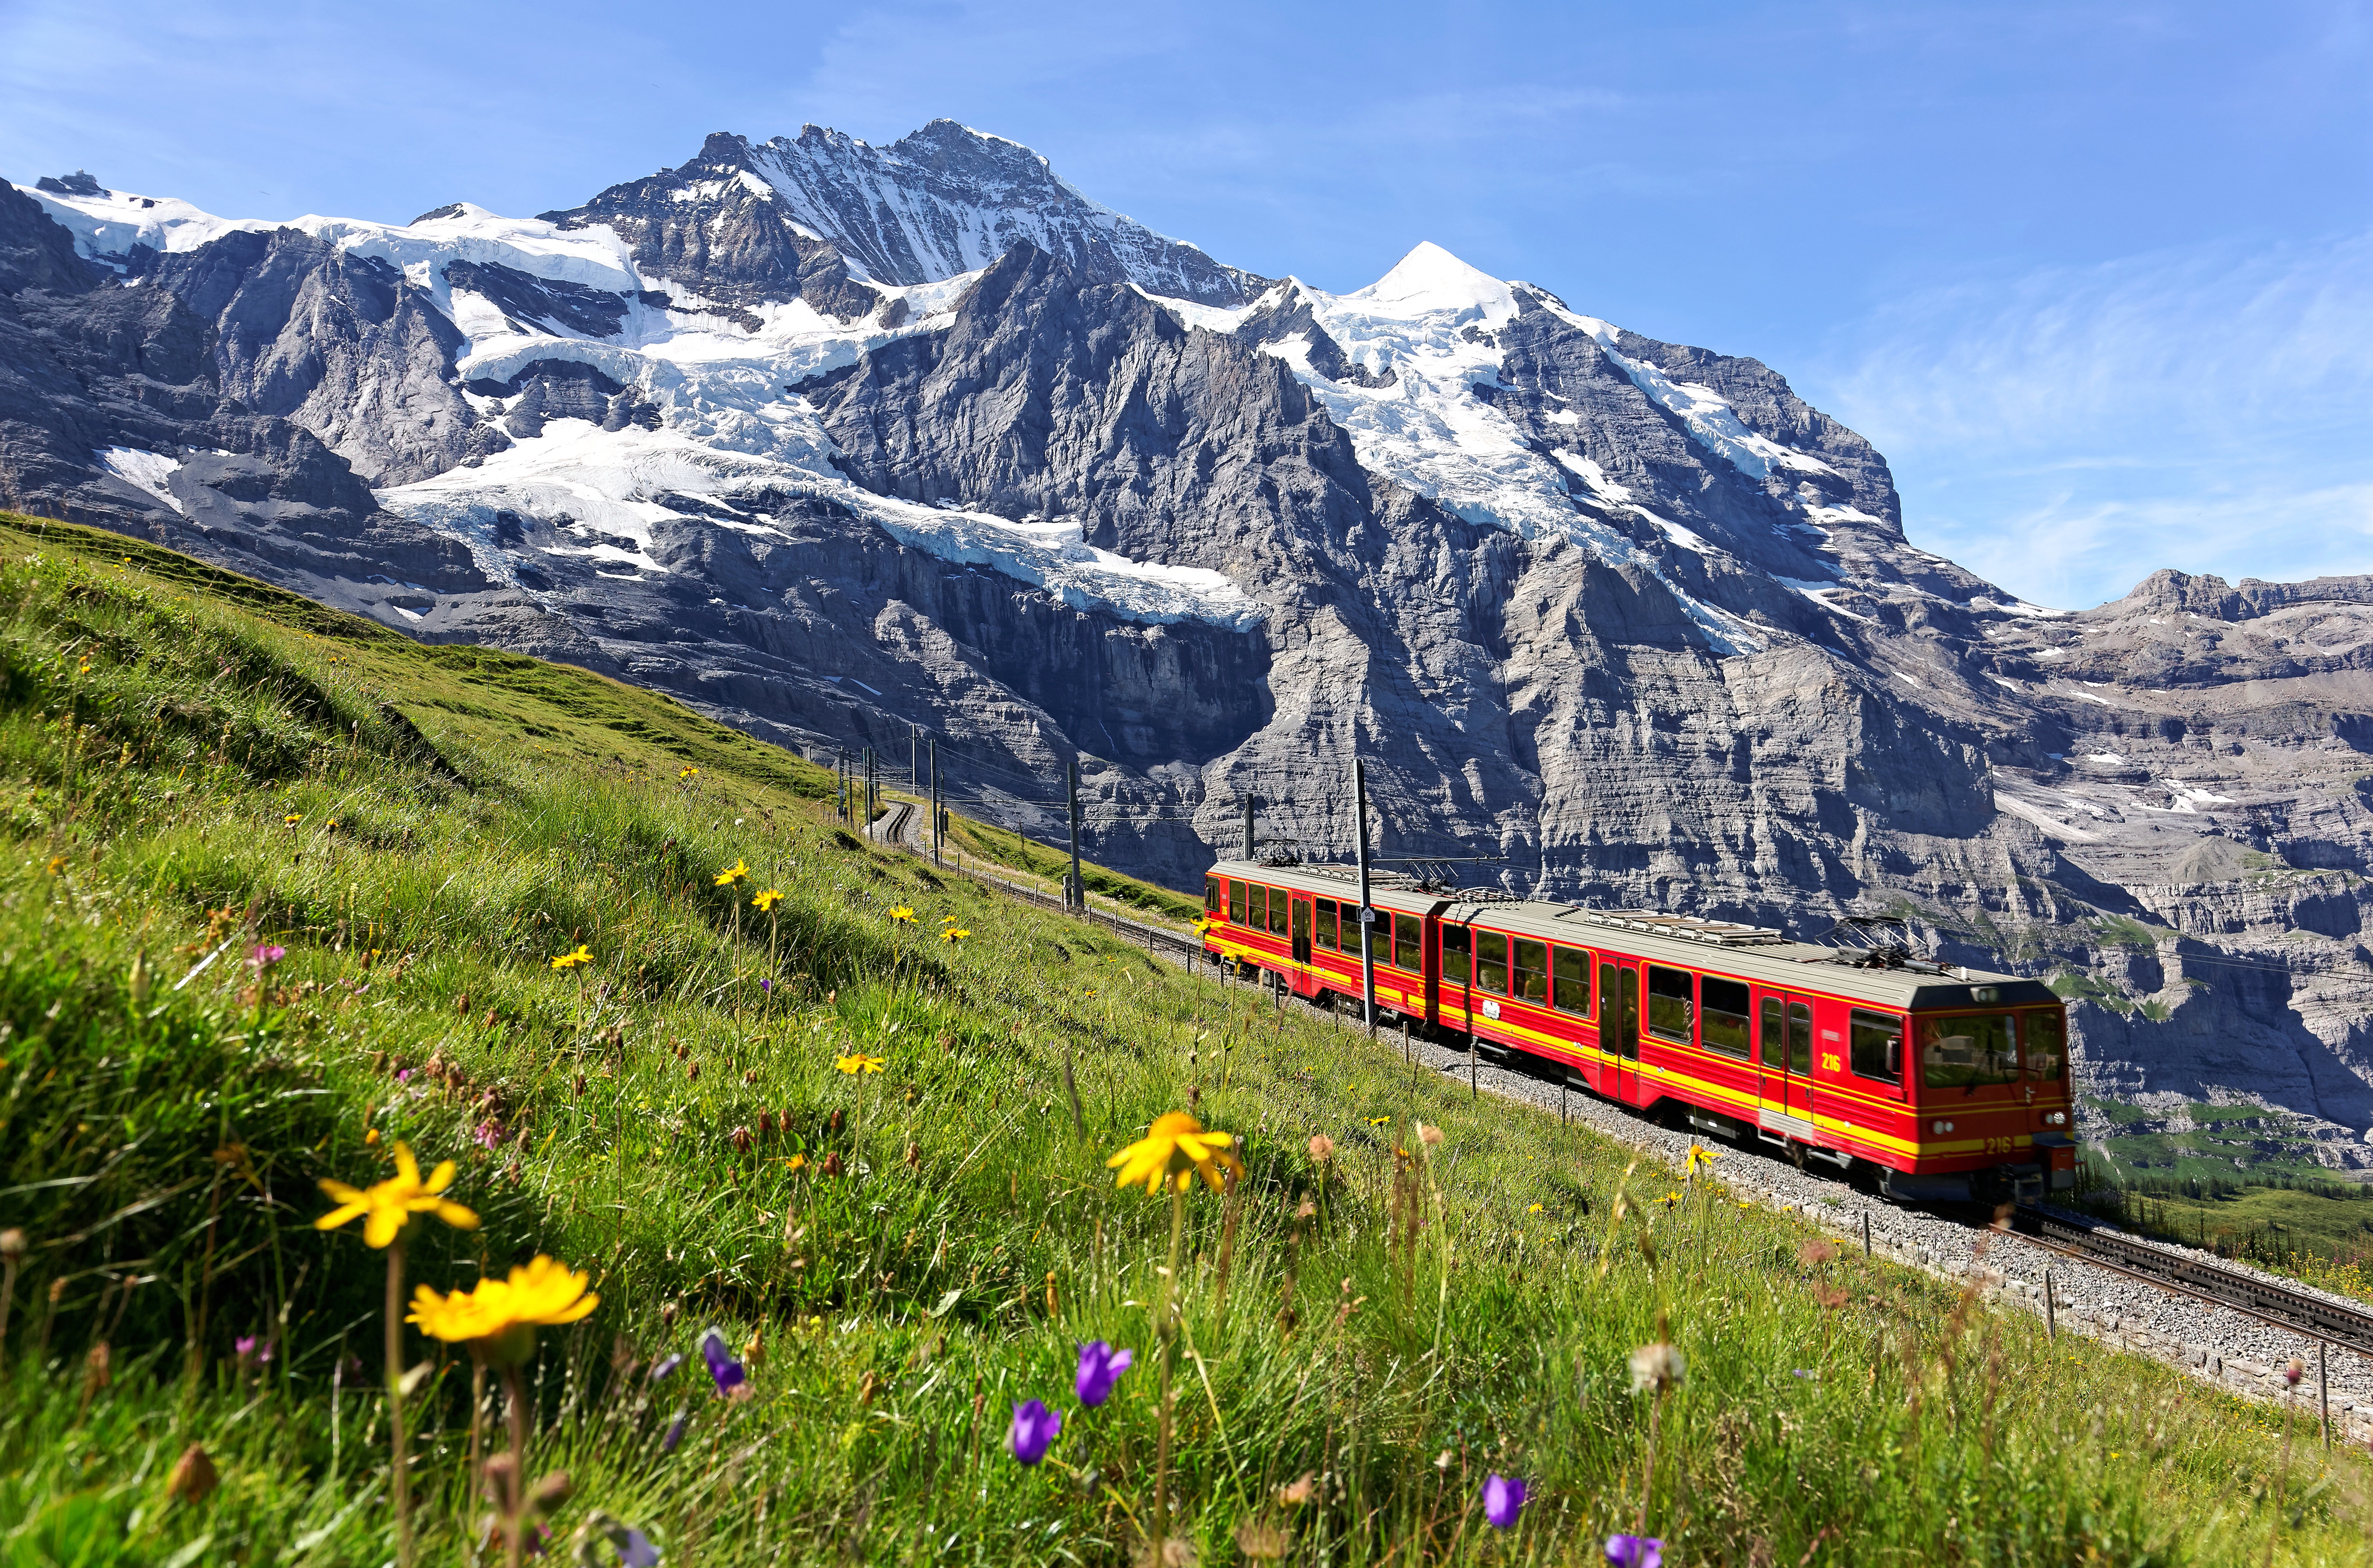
(1367, 909)
(1248, 827)
(1076, 896)
(914, 757)
(872, 782)
(840, 786)
(935, 800)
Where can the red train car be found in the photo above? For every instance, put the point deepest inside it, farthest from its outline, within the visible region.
(1951, 1083)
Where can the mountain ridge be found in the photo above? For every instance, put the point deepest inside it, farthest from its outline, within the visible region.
(1630, 614)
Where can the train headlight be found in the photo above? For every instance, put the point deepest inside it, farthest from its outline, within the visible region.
(1941, 1127)
(2056, 1119)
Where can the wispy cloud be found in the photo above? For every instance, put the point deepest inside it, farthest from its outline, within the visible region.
(2067, 430)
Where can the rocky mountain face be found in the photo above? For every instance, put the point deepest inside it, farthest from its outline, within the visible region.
(852, 446)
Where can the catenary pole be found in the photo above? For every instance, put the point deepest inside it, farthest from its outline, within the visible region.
(935, 800)
(1367, 909)
(1076, 895)
(1248, 827)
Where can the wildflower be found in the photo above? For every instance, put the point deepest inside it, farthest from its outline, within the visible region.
(1295, 1494)
(1380, 1122)
(1657, 1367)
(902, 915)
(488, 1135)
(723, 1369)
(264, 955)
(1322, 1148)
(1699, 1159)
(860, 1062)
(637, 1550)
(1100, 1368)
(1034, 1427)
(1812, 1253)
(947, 920)
(2294, 1371)
(675, 1429)
(953, 935)
(1504, 1499)
(796, 1162)
(391, 1203)
(667, 1363)
(571, 960)
(1635, 1551)
(293, 818)
(193, 1476)
(1429, 1136)
(248, 1347)
(740, 1137)
(687, 773)
(732, 874)
(1534, 1209)
(498, 1317)
(764, 902)
(1176, 1144)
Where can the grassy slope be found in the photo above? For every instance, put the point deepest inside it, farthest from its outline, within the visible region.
(1005, 847)
(188, 760)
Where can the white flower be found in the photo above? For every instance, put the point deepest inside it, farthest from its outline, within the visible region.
(1659, 1368)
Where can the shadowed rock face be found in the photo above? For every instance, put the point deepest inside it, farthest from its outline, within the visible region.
(1708, 682)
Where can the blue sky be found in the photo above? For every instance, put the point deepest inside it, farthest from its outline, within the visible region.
(2097, 279)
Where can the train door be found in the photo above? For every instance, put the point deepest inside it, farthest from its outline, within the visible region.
(1785, 1062)
(1300, 939)
(1618, 991)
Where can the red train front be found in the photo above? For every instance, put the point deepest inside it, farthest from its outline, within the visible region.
(1952, 1083)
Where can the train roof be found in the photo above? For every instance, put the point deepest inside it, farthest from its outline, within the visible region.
(1756, 953)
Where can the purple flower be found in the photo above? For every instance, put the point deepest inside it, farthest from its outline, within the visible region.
(1034, 1427)
(675, 1430)
(721, 1365)
(244, 1345)
(264, 955)
(1504, 1499)
(403, 1075)
(666, 1365)
(768, 985)
(1635, 1551)
(638, 1551)
(1100, 1368)
(490, 1135)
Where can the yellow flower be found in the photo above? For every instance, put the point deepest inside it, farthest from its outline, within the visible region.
(1699, 1159)
(391, 1203)
(768, 900)
(954, 934)
(1175, 1145)
(498, 1318)
(794, 1163)
(293, 818)
(1534, 1209)
(732, 874)
(903, 915)
(1205, 924)
(1380, 1122)
(571, 960)
(947, 920)
(858, 1063)
(687, 773)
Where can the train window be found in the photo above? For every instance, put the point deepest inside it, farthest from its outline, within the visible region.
(1532, 971)
(1454, 939)
(1408, 944)
(1878, 1049)
(1775, 1034)
(1212, 896)
(1963, 1053)
(1236, 903)
(2047, 1046)
(1672, 1004)
(1256, 907)
(1491, 962)
(1800, 1040)
(1572, 992)
(1725, 1015)
(1277, 902)
(1326, 924)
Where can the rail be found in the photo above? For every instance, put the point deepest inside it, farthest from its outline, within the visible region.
(895, 827)
(2285, 1308)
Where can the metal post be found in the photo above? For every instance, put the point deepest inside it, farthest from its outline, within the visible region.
(935, 800)
(1248, 827)
(913, 757)
(2323, 1385)
(1077, 895)
(1367, 910)
(1866, 1232)
(2051, 1319)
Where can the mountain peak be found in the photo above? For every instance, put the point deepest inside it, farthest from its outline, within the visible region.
(1429, 278)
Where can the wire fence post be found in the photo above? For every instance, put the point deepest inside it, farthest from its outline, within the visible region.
(1866, 1232)
(1076, 895)
(2050, 1318)
(2323, 1385)
(1367, 909)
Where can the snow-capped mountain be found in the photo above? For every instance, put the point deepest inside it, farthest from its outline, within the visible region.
(835, 441)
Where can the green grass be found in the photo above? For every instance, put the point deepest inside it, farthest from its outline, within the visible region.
(1005, 847)
(176, 745)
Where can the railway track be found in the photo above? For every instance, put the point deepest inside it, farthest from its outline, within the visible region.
(2281, 1305)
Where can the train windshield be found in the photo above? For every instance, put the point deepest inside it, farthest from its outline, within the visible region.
(2047, 1044)
(1968, 1052)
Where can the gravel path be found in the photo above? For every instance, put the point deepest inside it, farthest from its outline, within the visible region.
(2219, 1346)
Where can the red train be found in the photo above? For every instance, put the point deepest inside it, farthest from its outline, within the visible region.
(1952, 1083)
